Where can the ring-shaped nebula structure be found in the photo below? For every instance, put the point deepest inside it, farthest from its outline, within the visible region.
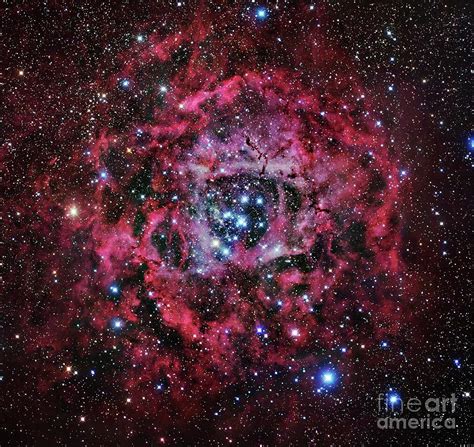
(241, 220)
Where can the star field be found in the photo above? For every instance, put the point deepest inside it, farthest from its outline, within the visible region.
(234, 223)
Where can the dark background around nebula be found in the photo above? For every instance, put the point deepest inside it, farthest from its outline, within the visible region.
(61, 47)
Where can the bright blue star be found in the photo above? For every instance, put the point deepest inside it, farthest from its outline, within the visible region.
(470, 144)
(114, 289)
(225, 251)
(393, 399)
(125, 83)
(116, 324)
(327, 379)
(262, 13)
(241, 221)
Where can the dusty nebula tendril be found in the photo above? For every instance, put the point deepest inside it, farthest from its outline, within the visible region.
(232, 230)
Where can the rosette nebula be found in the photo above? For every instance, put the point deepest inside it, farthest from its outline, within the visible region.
(222, 234)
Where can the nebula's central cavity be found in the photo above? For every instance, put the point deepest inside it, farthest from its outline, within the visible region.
(238, 210)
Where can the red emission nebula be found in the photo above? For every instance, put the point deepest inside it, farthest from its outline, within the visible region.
(231, 226)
